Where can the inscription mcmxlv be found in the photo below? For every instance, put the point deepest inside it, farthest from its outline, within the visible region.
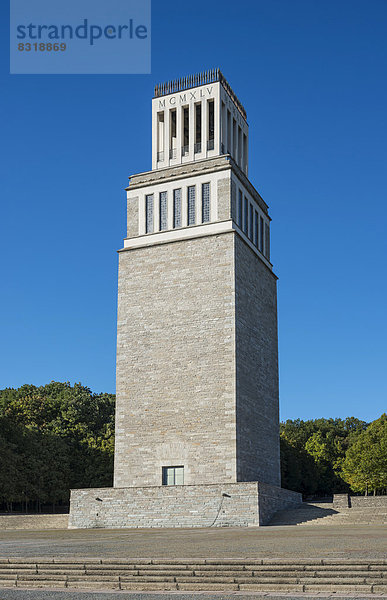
(186, 97)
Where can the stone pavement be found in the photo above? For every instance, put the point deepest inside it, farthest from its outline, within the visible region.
(80, 595)
(361, 541)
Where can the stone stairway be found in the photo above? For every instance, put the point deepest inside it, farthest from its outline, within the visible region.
(263, 575)
(314, 513)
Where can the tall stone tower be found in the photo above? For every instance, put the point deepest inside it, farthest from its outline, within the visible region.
(197, 363)
(197, 435)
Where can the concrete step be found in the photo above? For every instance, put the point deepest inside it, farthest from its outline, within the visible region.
(263, 575)
(324, 514)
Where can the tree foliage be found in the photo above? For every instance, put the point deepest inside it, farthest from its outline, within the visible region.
(54, 438)
(365, 464)
(313, 453)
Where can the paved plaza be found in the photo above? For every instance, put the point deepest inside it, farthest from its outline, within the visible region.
(82, 595)
(360, 541)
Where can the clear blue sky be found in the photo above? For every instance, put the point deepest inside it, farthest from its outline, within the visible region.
(312, 76)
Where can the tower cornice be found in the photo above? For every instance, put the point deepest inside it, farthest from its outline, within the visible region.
(209, 165)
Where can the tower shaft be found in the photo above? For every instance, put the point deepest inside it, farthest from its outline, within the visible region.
(197, 364)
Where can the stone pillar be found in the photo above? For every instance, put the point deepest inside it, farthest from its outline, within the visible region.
(341, 501)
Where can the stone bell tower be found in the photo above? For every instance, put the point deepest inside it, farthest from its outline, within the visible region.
(197, 369)
(197, 432)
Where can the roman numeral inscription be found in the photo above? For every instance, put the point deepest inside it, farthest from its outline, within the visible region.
(183, 98)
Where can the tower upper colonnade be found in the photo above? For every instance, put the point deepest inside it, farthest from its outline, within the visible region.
(198, 117)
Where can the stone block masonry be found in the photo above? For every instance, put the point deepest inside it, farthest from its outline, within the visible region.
(368, 501)
(132, 212)
(40, 521)
(346, 501)
(248, 504)
(197, 364)
(257, 406)
(175, 363)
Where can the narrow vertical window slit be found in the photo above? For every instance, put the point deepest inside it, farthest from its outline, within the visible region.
(205, 202)
(191, 205)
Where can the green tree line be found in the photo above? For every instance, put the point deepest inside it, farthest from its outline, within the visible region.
(53, 438)
(57, 437)
(328, 456)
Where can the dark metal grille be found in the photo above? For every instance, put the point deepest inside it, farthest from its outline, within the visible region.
(176, 208)
(191, 205)
(261, 234)
(205, 202)
(149, 213)
(240, 208)
(185, 83)
(163, 211)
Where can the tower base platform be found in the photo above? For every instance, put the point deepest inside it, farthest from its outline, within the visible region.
(244, 504)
